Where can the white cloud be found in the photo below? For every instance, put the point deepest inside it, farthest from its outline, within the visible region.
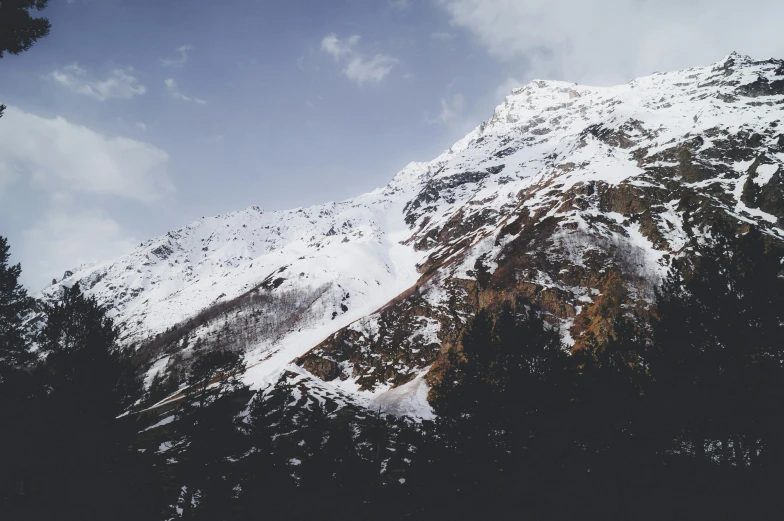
(173, 88)
(451, 109)
(141, 126)
(373, 70)
(358, 67)
(56, 155)
(119, 84)
(66, 237)
(610, 41)
(338, 48)
(179, 59)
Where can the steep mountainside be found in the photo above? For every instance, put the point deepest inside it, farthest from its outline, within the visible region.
(574, 198)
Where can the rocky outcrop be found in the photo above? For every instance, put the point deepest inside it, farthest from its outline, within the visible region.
(571, 199)
(586, 238)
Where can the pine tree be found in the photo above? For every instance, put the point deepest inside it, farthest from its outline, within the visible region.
(78, 450)
(608, 415)
(502, 403)
(267, 484)
(717, 352)
(313, 467)
(16, 385)
(18, 29)
(207, 424)
(15, 309)
(215, 367)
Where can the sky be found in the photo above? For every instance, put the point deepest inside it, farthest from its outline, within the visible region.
(136, 117)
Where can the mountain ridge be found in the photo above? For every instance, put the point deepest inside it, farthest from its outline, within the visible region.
(574, 198)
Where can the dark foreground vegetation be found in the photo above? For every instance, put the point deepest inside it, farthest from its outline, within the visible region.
(679, 416)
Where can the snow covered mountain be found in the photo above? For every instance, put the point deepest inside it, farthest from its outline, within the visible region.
(571, 197)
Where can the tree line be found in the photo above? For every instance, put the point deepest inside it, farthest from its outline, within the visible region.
(63, 381)
(678, 417)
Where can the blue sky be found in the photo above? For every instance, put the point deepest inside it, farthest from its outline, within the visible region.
(136, 117)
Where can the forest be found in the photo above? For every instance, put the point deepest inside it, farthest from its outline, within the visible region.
(680, 417)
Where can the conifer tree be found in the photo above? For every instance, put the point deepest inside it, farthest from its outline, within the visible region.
(502, 401)
(313, 466)
(18, 29)
(267, 484)
(15, 309)
(75, 449)
(717, 354)
(215, 367)
(207, 423)
(16, 385)
(609, 412)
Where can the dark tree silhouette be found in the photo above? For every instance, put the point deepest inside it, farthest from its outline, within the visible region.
(609, 413)
(19, 30)
(681, 418)
(207, 424)
(69, 452)
(88, 383)
(16, 386)
(15, 309)
(501, 404)
(717, 355)
(215, 367)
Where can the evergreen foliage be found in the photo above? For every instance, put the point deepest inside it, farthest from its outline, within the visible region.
(65, 455)
(16, 308)
(219, 368)
(718, 353)
(678, 417)
(18, 29)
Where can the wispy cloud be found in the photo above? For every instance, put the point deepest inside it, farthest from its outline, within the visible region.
(373, 70)
(120, 83)
(451, 109)
(358, 67)
(173, 88)
(180, 57)
(338, 48)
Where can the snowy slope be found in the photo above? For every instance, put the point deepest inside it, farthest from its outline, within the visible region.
(170, 278)
(576, 199)
(607, 163)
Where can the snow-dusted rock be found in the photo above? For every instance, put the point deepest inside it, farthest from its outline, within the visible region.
(569, 196)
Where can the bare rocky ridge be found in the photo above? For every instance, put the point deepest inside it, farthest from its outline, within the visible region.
(573, 198)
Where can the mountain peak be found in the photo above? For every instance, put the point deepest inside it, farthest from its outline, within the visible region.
(573, 198)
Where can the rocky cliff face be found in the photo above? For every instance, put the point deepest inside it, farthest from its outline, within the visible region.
(573, 198)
